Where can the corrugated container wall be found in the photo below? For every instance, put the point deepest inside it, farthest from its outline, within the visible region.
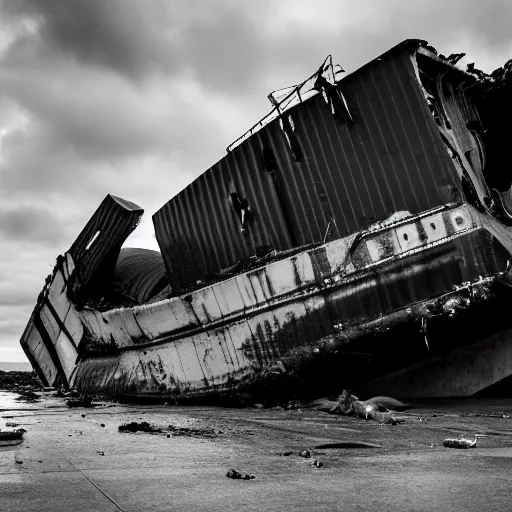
(97, 247)
(389, 159)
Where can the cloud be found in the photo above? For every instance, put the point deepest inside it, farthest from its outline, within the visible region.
(137, 98)
(125, 36)
(32, 224)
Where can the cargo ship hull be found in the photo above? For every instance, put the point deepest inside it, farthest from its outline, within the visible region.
(359, 236)
(320, 316)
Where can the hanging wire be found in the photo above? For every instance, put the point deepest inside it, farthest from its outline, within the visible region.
(285, 98)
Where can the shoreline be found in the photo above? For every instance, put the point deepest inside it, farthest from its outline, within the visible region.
(76, 459)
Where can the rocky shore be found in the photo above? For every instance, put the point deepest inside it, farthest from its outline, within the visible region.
(15, 381)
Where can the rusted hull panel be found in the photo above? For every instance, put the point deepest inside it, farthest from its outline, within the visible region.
(54, 330)
(270, 319)
(281, 315)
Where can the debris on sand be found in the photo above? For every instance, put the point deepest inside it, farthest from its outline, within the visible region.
(305, 453)
(293, 405)
(233, 473)
(28, 396)
(170, 430)
(387, 403)
(73, 393)
(192, 432)
(378, 408)
(10, 436)
(135, 426)
(317, 463)
(85, 401)
(461, 443)
(502, 414)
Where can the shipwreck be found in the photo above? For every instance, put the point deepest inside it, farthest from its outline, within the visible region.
(359, 235)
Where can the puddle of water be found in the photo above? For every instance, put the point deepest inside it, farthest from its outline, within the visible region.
(8, 402)
(8, 423)
(11, 442)
(347, 444)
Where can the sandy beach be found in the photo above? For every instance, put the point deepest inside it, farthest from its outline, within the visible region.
(76, 459)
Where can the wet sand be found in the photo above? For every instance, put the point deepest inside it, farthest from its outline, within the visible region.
(72, 463)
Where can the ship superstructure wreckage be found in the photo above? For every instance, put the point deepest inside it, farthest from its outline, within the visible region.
(361, 233)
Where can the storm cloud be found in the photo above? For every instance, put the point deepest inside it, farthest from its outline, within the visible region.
(32, 224)
(138, 97)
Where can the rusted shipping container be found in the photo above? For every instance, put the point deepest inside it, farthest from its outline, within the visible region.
(96, 249)
(313, 174)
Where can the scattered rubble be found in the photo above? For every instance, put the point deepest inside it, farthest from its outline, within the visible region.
(502, 414)
(170, 430)
(232, 473)
(461, 443)
(192, 432)
(143, 426)
(85, 401)
(379, 408)
(293, 405)
(19, 381)
(27, 396)
(10, 436)
(73, 393)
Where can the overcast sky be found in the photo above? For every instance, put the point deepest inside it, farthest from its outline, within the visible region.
(138, 97)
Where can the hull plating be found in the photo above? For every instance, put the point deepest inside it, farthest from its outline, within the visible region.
(277, 318)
